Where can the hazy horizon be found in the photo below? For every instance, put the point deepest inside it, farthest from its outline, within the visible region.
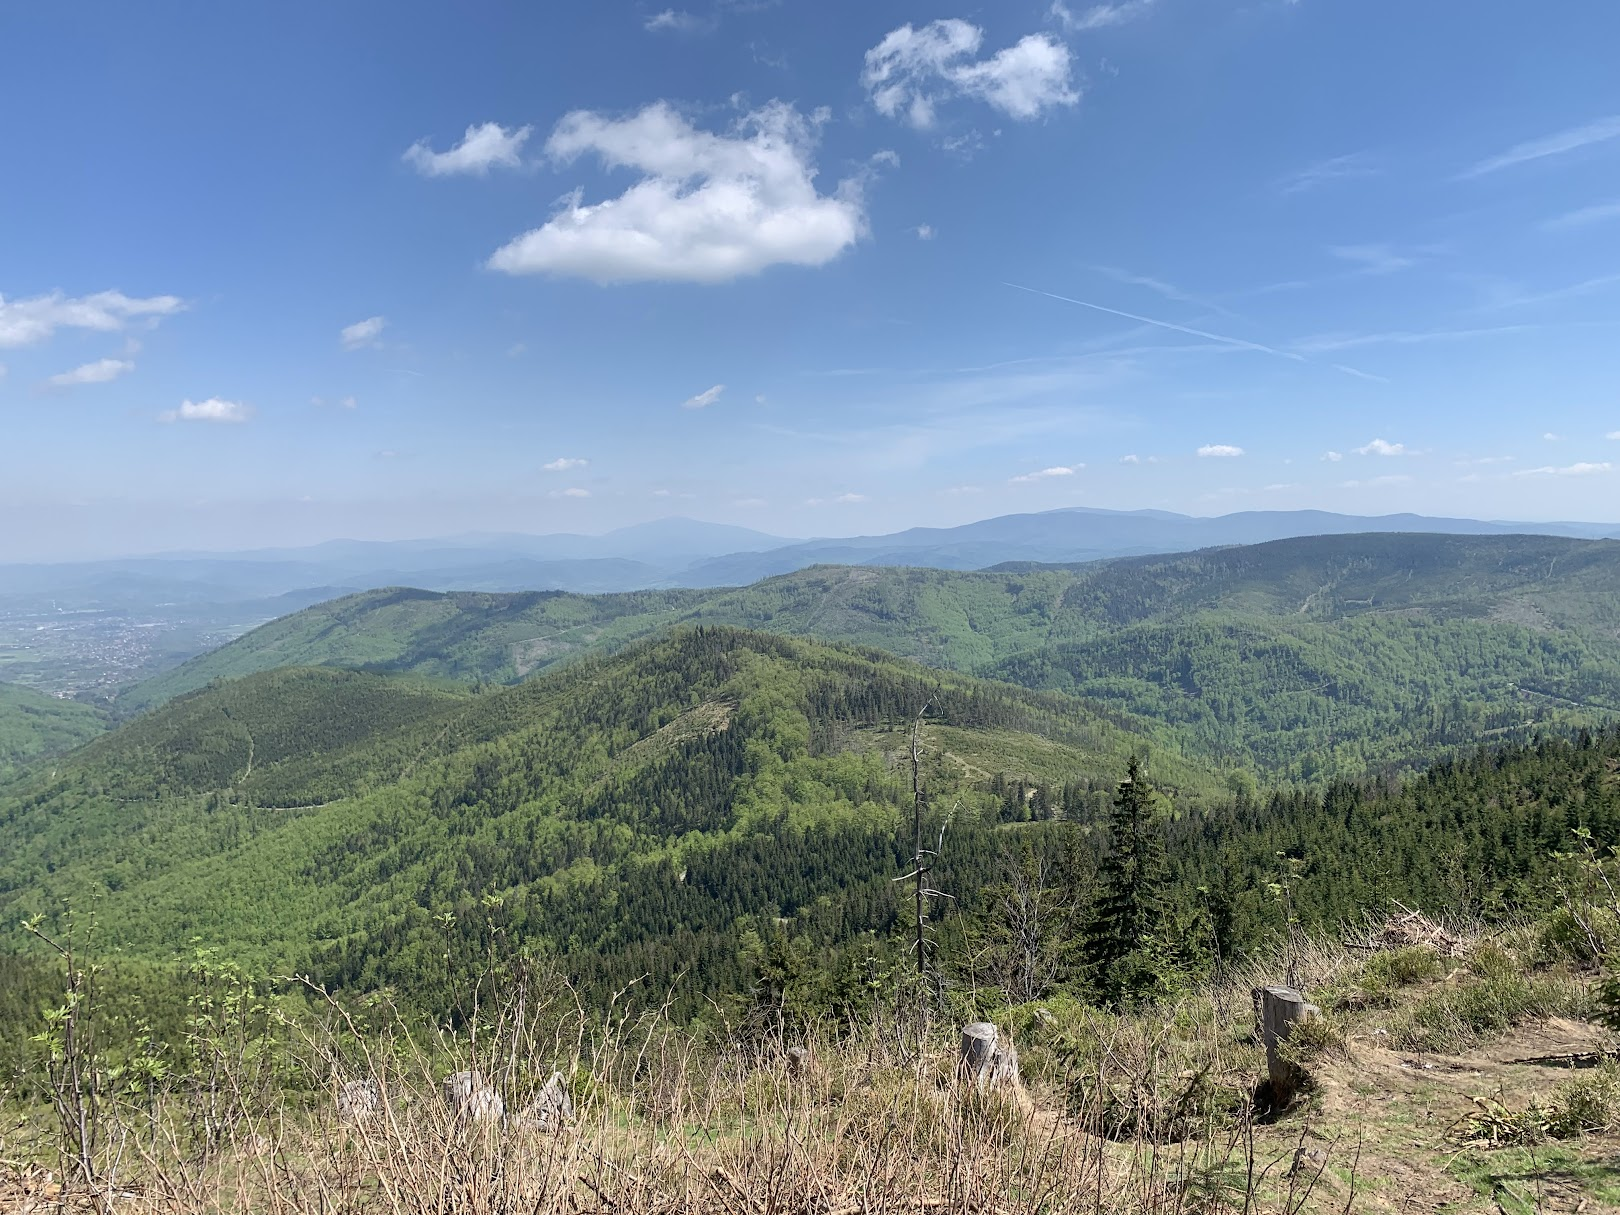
(225, 550)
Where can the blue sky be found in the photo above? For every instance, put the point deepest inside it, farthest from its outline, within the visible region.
(279, 273)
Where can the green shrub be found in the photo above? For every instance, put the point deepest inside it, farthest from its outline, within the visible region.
(1459, 1015)
(1376, 983)
(1489, 961)
(1563, 938)
(1589, 1103)
(1402, 967)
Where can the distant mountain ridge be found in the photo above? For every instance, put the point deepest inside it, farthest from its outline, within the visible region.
(687, 553)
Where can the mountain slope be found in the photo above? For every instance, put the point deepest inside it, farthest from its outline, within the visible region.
(33, 724)
(625, 811)
(454, 635)
(1303, 657)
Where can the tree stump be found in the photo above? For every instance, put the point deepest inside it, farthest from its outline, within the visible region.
(552, 1106)
(358, 1100)
(471, 1097)
(1282, 1008)
(989, 1061)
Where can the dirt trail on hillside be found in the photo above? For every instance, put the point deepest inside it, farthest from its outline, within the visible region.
(1405, 1109)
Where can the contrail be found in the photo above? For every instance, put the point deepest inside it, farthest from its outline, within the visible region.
(1148, 320)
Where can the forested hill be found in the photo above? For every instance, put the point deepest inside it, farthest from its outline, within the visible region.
(712, 811)
(33, 724)
(624, 810)
(1305, 658)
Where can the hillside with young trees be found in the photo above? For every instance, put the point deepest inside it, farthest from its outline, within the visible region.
(33, 724)
(696, 806)
(627, 811)
(1303, 659)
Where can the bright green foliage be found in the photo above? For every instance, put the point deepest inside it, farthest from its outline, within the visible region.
(1306, 659)
(625, 813)
(33, 724)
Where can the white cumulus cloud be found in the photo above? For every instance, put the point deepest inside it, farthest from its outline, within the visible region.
(1613, 434)
(564, 464)
(1382, 447)
(1569, 470)
(912, 70)
(212, 410)
(704, 399)
(573, 491)
(98, 372)
(26, 321)
(484, 147)
(363, 333)
(924, 231)
(708, 208)
(1333, 457)
(1219, 450)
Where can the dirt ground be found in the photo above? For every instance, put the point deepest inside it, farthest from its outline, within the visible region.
(1392, 1125)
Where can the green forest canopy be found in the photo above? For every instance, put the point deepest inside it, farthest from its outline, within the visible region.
(1305, 659)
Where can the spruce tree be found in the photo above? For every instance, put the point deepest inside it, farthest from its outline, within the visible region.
(1124, 944)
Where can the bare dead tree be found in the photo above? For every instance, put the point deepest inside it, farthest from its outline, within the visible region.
(922, 857)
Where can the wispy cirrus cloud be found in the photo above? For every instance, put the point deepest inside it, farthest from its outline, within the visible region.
(1583, 469)
(1324, 343)
(673, 20)
(1160, 287)
(1598, 131)
(573, 491)
(1581, 217)
(912, 70)
(1370, 482)
(702, 400)
(1099, 16)
(1373, 259)
(484, 147)
(1326, 172)
(24, 322)
(99, 372)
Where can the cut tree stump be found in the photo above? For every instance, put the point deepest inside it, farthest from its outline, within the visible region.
(358, 1100)
(472, 1098)
(552, 1106)
(1282, 1008)
(989, 1061)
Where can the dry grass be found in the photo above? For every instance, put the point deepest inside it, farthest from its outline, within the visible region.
(1150, 1113)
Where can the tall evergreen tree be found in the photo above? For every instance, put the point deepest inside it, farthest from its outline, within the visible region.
(1124, 945)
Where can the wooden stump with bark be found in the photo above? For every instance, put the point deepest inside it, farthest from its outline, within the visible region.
(472, 1098)
(1281, 1009)
(989, 1061)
